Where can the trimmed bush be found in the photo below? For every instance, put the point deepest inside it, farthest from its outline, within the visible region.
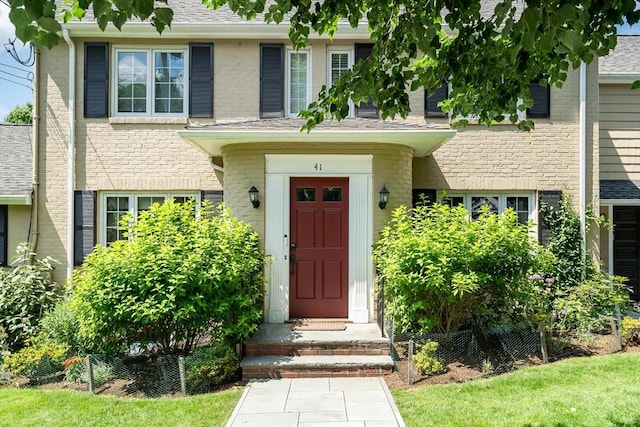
(179, 276)
(442, 271)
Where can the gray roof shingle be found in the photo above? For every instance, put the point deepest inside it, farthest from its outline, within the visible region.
(625, 58)
(616, 189)
(16, 166)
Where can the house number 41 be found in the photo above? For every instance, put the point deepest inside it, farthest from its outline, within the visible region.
(318, 166)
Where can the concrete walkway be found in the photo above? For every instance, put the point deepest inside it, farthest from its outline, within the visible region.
(316, 402)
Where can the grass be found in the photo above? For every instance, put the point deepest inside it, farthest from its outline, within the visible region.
(33, 407)
(593, 391)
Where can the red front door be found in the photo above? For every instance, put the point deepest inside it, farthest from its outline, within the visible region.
(318, 282)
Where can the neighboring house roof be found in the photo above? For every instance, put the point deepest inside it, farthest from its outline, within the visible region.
(623, 63)
(619, 189)
(422, 137)
(16, 167)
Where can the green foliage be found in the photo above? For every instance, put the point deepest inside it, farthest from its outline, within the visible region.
(20, 115)
(490, 58)
(26, 294)
(38, 359)
(209, 367)
(630, 330)
(75, 369)
(427, 361)
(178, 276)
(442, 271)
(61, 325)
(589, 306)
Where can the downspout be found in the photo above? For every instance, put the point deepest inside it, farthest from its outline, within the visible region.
(35, 229)
(583, 155)
(215, 166)
(70, 150)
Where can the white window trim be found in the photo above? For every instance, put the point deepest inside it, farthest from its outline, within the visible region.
(151, 87)
(287, 90)
(350, 51)
(133, 205)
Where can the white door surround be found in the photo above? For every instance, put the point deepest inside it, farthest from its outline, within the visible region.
(359, 169)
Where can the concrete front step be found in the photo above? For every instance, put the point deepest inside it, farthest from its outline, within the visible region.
(316, 366)
(316, 348)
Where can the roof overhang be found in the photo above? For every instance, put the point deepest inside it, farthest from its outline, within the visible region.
(196, 31)
(606, 78)
(423, 141)
(23, 200)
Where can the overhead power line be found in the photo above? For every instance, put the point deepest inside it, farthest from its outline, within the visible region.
(30, 80)
(16, 83)
(23, 68)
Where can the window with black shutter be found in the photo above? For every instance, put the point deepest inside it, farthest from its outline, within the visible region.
(271, 80)
(363, 51)
(4, 238)
(96, 79)
(431, 100)
(84, 225)
(201, 80)
(541, 101)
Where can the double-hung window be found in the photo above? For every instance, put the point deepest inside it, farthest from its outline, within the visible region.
(298, 86)
(151, 82)
(496, 202)
(116, 205)
(339, 61)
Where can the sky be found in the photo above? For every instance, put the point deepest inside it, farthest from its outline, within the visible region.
(15, 84)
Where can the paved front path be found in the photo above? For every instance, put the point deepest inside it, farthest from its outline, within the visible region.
(316, 402)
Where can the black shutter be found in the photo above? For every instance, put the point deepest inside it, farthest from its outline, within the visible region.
(271, 80)
(431, 108)
(84, 225)
(213, 196)
(424, 196)
(96, 79)
(552, 198)
(4, 241)
(541, 101)
(200, 80)
(363, 51)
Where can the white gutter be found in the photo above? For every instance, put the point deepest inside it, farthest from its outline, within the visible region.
(214, 166)
(583, 152)
(24, 200)
(70, 150)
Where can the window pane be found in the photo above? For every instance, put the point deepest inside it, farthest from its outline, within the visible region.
(454, 201)
(339, 64)
(521, 206)
(478, 202)
(169, 78)
(298, 84)
(117, 207)
(144, 203)
(332, 194)
(132, 82)
(306, 194)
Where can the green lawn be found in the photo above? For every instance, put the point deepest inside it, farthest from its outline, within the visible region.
(594, 391)
(32, 407)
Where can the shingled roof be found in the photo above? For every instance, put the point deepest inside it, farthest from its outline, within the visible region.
(16, 167)
(624, 60)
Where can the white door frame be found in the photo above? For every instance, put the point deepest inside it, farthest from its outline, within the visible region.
(359, 169)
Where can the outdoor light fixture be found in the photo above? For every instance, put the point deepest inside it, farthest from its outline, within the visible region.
(253, 197)
(384, 197)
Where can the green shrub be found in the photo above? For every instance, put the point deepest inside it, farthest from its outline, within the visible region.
(61, 325)
(427, 361)
(209, 367)
(75, 369)
(442, 271)
(630, 330)
(26, 294)
(589, 306)
(40, 358)
(177, 277)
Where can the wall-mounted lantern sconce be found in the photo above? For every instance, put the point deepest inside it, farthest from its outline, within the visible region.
(384, 197)
(253, 197)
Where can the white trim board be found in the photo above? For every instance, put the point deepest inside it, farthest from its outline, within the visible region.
(279, 170)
